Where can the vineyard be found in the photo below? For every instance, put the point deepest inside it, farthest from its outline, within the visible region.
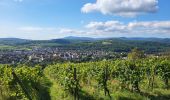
(140, 79)
(23, 83)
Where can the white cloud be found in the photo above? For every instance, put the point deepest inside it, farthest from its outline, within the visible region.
(109, 25)
(93, 29)
(30, 32)
(129, 8)
(66, 30)
(131, 28)
(152, 24)
(69, 31)
(120, 29)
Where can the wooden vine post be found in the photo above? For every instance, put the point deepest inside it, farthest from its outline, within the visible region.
(105, 79)
(76, 96)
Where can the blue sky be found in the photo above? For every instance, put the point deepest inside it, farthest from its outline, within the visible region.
(48, 19)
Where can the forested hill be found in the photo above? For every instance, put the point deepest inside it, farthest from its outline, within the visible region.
(121, 44)
(12, 41)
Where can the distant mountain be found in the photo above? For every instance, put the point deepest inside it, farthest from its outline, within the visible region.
(83, 40)
(162, 40)
(121, 44)
(12, 41)
(60, 41)
(79, 38)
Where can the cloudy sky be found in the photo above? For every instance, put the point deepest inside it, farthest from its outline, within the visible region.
(50, 19)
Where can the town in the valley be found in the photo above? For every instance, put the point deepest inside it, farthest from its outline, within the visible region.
(38, 55)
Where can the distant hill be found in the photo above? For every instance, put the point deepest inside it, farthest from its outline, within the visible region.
(60, 41)
(122, 44)
(12, 41)
(163, 40)
(79, 38)
(73, 39)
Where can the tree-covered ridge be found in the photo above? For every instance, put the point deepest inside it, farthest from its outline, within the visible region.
(149, 45)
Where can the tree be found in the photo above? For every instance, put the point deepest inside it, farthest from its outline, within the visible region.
(136, 54)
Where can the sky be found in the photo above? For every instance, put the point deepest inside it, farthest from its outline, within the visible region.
(52, 19)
